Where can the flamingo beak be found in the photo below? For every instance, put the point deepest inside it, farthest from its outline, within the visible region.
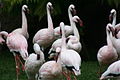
(110, 17)
(81, 22)
(28, 11)
(74, 12)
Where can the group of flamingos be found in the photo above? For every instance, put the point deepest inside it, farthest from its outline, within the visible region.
(65, 48)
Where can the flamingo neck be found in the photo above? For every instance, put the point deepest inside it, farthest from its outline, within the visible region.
(114, 20)
(75, 30)
(70, 16)
(50, 23)
(59, 60)
(109, 42)
(4, 33)
(41, 55)
(63, 39)
(24, 23)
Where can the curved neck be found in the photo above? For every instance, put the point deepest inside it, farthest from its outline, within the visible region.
(4, 33)
(75, 30)
(50, 23)
(109, 42)
(24, 23)
(70, 16)
(41, 55)
(114, 20)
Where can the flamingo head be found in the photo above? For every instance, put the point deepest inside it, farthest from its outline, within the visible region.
(72, 9)
(49, 6)
(56, 54)
(36, 48)
(110, 28)
(112, 14)
(78, 20)
(25, 8)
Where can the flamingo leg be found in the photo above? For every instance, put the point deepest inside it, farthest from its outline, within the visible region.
(74, 76)
(65, 74)
(23, 67)
(17, 66)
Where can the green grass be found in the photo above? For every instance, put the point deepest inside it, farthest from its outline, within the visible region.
(89, 69)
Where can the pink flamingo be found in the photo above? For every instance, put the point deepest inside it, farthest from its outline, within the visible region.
(51, 70)
(113, 71)
(68, 29)
(45, 37)
(107, 54)
(23, 30)
(17, 43)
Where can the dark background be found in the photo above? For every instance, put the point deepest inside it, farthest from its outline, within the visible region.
(94, 14)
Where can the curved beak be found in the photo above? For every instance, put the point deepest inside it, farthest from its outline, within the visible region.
(110, 17)
(80, 22)
(74, 12)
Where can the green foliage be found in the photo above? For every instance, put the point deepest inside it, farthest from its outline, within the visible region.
(112, 2)
(37, 7)
(7, 69)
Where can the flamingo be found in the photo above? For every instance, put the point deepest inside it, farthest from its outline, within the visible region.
(33, 62)
(69, 58)
(23, 30)
(115, 40)
(45, 37)
(107, 54)
(72, 41)
(117, 26)
(113, 71)
(51, 70)
(68, 29)
(17, 43)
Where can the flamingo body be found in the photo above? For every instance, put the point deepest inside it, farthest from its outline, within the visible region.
(33, 62)
(17, 42)
(113, 71)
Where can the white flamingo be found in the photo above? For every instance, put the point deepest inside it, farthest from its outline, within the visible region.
(69, 58)
(72, 41)
(33, 62)
(107, 54)
(113, 71)
(51, 70)
(23, 30)
(68, 29)
(115, 40)
(45, 37)
(117, 26)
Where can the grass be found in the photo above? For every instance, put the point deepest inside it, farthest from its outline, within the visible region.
(89, 69)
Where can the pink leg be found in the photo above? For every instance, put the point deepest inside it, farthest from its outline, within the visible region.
(74, 76)
(17, 66)
(67, 76)
(23, 67)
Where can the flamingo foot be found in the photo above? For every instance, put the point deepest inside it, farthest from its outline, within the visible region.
(75, 78)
